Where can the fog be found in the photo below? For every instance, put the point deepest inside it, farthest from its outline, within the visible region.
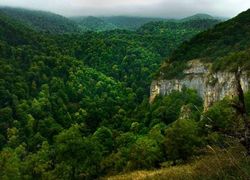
(156, 8)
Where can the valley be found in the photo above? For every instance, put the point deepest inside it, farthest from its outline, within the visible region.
(123, 97)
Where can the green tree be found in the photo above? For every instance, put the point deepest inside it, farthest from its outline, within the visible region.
(181, 139)
(37, 165)
(104, 136)
(77, 156)
(221, 117)
(9, 165)
(145, 153)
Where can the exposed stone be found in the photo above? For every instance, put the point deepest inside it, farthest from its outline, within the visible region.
(185, 112)
(210, 86)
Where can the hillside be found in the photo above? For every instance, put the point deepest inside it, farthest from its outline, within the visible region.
(226, 42)
(198, 17)
(166, 27)
(75, 105)
(129, 23)
(229, 162)
(78, 100)
(216, 65)
(230, 36)
(134, 23)
(132, 56)
(14, 32)
(41, 21)
(91, 23)
(110, 23)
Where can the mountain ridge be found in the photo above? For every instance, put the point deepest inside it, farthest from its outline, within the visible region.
(41, 20)
(231, 34)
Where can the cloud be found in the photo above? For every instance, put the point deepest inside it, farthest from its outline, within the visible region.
(163, 8)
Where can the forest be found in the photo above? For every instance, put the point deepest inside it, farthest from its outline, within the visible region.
(74, 100)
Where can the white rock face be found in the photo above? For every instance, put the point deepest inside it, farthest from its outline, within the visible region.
(210, 86)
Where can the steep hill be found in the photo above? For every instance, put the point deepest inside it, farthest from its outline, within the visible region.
(208, 63)
(14, 32)
(41, 21)
(230, 36)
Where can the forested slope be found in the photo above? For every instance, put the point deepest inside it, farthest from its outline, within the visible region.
(226, 46)
(207, 60)
(199, 17)
(41, 21)
(230, 36)
(129, 23)
(75, 106)
(131, 57)
(91, 23)
(14, 32)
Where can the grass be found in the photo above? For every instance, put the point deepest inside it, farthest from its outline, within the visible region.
(228, 164)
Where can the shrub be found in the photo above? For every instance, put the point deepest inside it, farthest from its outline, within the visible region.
(181, 139)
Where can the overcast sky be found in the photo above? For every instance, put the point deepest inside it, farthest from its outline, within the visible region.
(161, 8)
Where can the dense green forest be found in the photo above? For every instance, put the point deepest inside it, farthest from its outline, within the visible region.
(231, 36)
(56, 24)
(42, 21)
(199, 17)
(74, 105)
(221, 45)
(91, 23)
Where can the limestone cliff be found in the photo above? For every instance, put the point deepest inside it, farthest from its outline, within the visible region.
(211, 86)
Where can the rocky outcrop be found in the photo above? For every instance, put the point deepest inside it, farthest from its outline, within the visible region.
(209, 85)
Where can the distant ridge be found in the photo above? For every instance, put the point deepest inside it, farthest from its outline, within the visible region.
(41, 21)
(112, 22)
(48, 22)
(199, 16)
(15, 33)
(91, 23)
(130, 23)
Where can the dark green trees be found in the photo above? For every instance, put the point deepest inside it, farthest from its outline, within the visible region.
(76, 156)
(181, 139)
(75, 106)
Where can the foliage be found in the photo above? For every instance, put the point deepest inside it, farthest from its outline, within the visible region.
(42, 21)
(144, 154)
(79, 155)
(199, 17)
(233, 61)
(181, 139)
(129, 23)
(91, 23)
(168, 108)
(75, 106)
(221, 117)
(185, 28)
(229, 36)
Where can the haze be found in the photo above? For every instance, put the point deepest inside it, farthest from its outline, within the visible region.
(156, 8)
